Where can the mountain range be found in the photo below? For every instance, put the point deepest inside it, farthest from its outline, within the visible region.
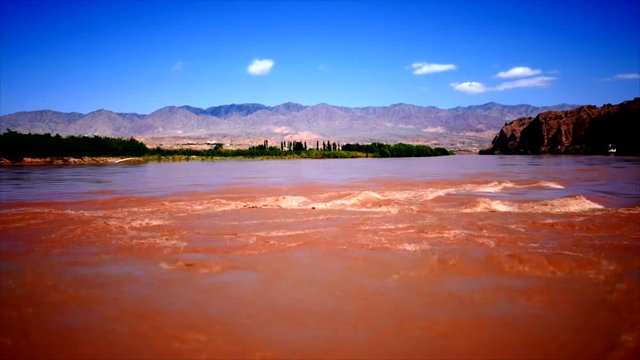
(469, 127)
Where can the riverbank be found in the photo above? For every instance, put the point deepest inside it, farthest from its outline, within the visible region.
(45, 149)
(89, 160)
(57, 161)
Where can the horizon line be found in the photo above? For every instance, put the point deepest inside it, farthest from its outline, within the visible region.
(294, 103)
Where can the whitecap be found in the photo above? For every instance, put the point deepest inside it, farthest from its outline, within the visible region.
(487, 205)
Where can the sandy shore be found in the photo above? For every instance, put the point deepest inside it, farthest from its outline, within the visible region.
(385, 269)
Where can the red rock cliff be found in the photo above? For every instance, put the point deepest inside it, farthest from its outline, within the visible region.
(583, 130)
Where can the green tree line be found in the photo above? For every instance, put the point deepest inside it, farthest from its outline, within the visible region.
(396, 150)
(16, 146)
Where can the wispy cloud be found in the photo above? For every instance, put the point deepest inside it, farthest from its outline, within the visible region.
(538, 81)
(472, 87)
(469, 87)
(324, 68)
(621, 77)
(633, 76)
(178, 66)
(517, 72)
(260, 67)
(423, 68)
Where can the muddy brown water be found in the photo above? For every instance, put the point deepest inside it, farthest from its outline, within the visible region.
(456, 257)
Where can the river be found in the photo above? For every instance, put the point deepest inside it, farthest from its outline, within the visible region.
(614, 180)
(452, 257)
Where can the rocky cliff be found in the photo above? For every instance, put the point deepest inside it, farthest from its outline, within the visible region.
(583, 130)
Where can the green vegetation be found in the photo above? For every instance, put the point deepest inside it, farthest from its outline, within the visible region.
(15, 147)
(396, 150)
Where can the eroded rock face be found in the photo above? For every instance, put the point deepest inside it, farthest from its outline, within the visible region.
(583, 130)
(507, 139)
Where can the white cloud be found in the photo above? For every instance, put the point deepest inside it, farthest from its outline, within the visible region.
(518, 71)
(538, 81)
(178, 66)
(324, 68)
(260, 67)
(423, 68)
(469, 87)
(282, 130)
(434, 129)
(627, 77)
(472, 87)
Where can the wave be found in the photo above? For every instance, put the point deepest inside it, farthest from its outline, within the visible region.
(492, 187)
(498, 186)
(487, 205)
(351, 201)
(285, 201)
(548, 184)
(381, 202)
(577, 203)
(403, 200)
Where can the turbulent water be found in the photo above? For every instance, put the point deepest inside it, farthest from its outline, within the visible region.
(452, 257)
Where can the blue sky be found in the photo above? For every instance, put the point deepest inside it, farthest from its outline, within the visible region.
(138, 56)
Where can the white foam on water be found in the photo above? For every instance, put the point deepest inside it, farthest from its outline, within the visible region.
(571, 204)
(355, 199)
(498, 186)
(373, 201)
(577, 203)
(488, 205)
(412, 247)
(285, 202)
(417, 195)
(548, 184)
(492, 187)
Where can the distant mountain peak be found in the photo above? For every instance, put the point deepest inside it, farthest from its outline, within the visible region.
(193, 109)
(400, 122)
(225, 111)
(288, 107)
